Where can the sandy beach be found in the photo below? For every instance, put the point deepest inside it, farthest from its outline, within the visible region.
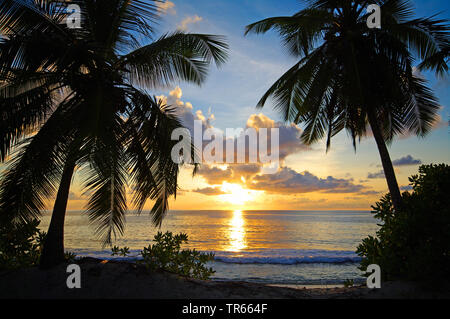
(111, 280)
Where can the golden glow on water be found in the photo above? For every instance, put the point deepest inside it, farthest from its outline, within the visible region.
(237, 232)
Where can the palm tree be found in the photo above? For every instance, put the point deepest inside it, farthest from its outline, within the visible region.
(76, 99)
(350, 77)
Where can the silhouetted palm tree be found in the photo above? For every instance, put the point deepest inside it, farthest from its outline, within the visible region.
(75, 99)
(350, 76)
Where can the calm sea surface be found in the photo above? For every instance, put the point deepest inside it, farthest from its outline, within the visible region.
(277, 247)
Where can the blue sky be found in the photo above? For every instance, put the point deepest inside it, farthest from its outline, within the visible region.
(256, 61)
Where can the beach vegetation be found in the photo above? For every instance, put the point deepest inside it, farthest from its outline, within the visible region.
(166, 254)
(20, 245)
(413, 243)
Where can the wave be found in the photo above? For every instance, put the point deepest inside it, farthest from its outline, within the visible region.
(265, 256)
(288, 257)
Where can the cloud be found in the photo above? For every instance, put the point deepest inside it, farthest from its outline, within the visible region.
(379, 174)
(209, 191)
(166, 7)
(233, 173)
(215, 175)
(185, 110)
(288, 181)
(189, 20)
(406, 188)
(370, 193)
(289, 134)
(406, 160)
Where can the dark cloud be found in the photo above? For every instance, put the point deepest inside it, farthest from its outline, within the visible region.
(288, 181)
(406, 160)
(244, 170)
(369, 193)
(406, 188)
(379, 174)
(209, 191)
(215, 175)
(233, 173)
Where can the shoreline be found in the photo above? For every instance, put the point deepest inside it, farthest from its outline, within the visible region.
(125, 280)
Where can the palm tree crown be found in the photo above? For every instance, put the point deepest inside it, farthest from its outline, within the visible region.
(77, 98)
(349, 76)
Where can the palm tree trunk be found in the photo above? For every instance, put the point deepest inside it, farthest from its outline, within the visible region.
(53, 250)
(385, 160)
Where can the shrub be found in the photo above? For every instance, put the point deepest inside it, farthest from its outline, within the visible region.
(20, 246)
(70, 257)
(166, 254)
(413, 243)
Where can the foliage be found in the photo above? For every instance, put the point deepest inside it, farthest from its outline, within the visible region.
(166, 254)
(413, 243)
(116, 251)
(20, 245)
(346, 70)
(82, 95)
(69, 256)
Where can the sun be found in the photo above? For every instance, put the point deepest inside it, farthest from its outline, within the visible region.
(236, 194)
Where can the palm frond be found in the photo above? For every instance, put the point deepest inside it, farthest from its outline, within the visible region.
(105, 178)
(177, 56)
(117, 24)
(24, 106)
(34, 172)
(299, 32)
(153, 172)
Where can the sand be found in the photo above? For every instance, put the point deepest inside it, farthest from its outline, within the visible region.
(128, 280)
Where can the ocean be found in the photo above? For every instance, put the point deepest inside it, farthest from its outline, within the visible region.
(271, 247)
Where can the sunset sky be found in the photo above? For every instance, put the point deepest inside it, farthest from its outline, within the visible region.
(309, 178)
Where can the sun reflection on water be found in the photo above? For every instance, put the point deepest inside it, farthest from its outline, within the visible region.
(237, 232)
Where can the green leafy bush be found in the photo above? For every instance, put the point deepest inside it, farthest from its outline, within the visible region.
(414, 243)
(20, 246)
(166, 254)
